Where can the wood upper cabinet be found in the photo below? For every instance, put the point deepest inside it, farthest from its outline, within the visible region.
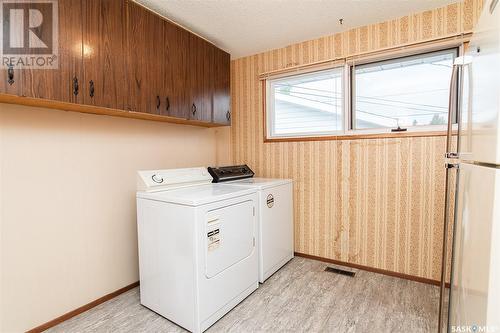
(64, 82)
(145, 70)
(221, 94)
(175, 50)
(116, 54)
(200, 67)
(104, 41)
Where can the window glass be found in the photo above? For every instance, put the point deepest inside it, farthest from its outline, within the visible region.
(306, 104)
(406, 92)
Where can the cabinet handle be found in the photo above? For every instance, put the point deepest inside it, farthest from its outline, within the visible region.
(75, 86)
(158, 102)
(228, 116)
(91, 88)
(10, 74)
(167, 107)
(193, 109)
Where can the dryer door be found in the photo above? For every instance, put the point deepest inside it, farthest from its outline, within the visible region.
(229, 236)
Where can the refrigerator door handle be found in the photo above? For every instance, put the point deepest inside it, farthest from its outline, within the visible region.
(452, 107)
(455, 104)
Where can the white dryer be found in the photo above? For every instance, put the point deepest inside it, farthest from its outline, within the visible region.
(197, 245)
(275, 211)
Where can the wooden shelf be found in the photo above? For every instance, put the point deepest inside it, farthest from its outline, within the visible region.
(64, 106)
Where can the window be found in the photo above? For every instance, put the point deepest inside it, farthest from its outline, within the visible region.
(405, 92)
(409, 92)
(306, 104)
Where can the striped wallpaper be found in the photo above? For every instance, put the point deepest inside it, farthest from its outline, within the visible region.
(374, 202)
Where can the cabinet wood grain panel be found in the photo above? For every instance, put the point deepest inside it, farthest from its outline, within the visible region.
(137, 86)
(221, 93)
(156, 64)
(103, 50)
(200, 60)
(145, 70)
(206, 62)
(193, 77)
(164, 69)
(57, 84)
(176, 84)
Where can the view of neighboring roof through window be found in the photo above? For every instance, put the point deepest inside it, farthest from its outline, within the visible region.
(307, 104)
(406, 92)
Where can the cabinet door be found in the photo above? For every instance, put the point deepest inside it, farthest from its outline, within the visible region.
(145, 69)
(221, 95)
(61, 83)
(176, 51)
(103, 49)
(207, 81)
(200, 63)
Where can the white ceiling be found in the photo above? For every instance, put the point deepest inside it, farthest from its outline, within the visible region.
(246, 27)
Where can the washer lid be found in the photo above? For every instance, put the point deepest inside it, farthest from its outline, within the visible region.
(259, 183)
(197, 195)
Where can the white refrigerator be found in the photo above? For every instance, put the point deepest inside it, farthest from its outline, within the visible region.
(474, 303)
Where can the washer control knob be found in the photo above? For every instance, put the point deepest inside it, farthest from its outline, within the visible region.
(157, 178)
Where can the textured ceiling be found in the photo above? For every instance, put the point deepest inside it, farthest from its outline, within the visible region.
(245, 27)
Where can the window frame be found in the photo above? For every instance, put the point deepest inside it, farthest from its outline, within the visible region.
(269, 105)
(347, 132)
(419, 128)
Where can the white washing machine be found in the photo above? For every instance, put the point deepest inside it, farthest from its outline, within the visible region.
(275, 211)
(197, 245)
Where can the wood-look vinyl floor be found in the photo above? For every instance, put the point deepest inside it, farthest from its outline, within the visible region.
(301, 297)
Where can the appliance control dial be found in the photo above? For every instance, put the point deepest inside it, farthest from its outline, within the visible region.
(157, 178)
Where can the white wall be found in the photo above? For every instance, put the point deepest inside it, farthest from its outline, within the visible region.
(67, 204)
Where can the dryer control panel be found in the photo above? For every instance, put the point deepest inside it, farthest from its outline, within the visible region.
(159, 180)
(233, 172)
